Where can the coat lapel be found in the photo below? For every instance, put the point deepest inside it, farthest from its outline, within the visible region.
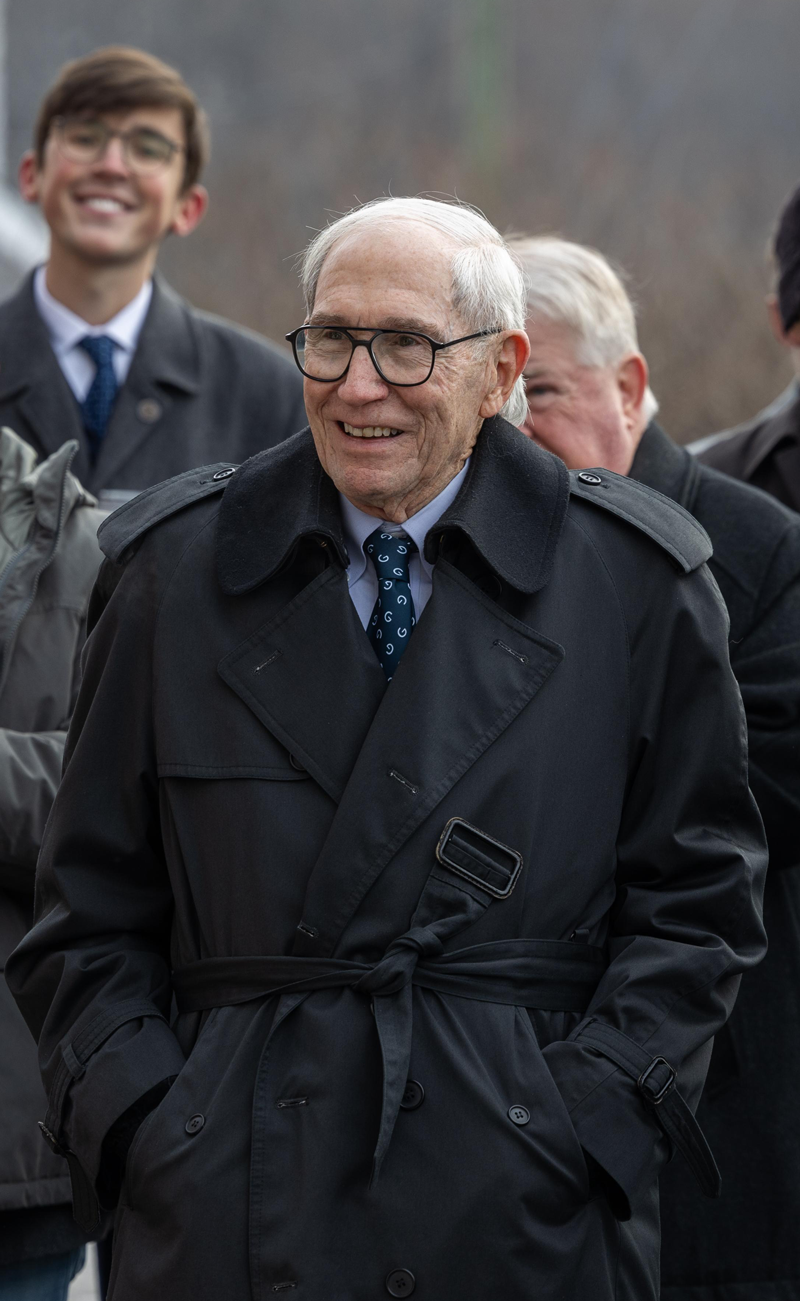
(311, 676)
(468, 671)
(387, 756)
(30, 373)
(166, 367)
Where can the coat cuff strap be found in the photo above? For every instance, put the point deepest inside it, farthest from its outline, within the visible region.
(656, 1082)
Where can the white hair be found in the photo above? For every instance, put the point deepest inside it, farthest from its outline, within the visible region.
(488, 290)
(576, 286)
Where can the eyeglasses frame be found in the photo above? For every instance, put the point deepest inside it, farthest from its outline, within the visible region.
(367, 343)
(122, 136)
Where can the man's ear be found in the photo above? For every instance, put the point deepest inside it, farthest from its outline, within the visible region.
(190, 210)
(28, 177)
(789, 338)
(632, 379)
(774, 316)
(507, 368)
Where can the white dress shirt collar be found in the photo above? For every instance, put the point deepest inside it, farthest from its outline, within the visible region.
(358, 526)
(66, 329)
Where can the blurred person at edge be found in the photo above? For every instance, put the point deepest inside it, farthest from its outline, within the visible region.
(95, 345)
(589, 402)
(509, 881)
(765, 451)
(48, 562)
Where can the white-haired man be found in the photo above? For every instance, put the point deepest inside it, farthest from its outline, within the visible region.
(590, 404)
(413, 770)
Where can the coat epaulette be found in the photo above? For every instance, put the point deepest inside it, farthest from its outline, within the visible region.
(155, 504)
(662, 519)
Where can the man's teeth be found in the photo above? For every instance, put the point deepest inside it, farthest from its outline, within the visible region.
(370, 431)
(105, 205)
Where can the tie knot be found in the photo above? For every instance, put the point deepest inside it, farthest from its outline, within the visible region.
(390, 555)
(100, 348)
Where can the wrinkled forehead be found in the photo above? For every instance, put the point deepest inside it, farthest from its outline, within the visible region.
(394, 268)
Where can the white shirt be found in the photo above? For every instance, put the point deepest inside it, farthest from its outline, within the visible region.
(361, 576)
(66, 331)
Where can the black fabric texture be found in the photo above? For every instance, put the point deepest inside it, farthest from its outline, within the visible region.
(746, 1244)
(764, 452)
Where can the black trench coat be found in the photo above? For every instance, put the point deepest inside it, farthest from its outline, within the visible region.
(242, 783)
(748, 1239)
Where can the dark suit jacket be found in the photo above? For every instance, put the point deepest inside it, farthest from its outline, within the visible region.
(199, 390)
(749, 1109)
(764, 452)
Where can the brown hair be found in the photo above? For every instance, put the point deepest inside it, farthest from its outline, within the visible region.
(116, 78)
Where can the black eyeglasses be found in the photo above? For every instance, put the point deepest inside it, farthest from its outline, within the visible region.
(403, 358)
(85, 140)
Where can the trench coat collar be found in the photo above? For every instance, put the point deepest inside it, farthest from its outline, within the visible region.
(784, 426)
(661, 464)
(511, 507)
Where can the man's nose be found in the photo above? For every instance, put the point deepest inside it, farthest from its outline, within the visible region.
(362, 383)
(113, 158)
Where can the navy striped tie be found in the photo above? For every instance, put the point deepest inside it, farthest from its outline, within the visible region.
(392, 619)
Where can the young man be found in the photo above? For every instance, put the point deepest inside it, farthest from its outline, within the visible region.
(94, 346)
(589, 402)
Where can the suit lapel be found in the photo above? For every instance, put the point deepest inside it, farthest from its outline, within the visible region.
(468, 671)
(166, 367)
(31, 375)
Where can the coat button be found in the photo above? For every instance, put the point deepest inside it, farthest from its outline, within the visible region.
(413, 1096)
(194, 1124)
(400, 1282)
(148, 410)
(593, 479)
(296, 764)
(223, 474)
(519, 1115)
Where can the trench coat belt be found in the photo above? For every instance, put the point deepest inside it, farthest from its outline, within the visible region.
(551, 975)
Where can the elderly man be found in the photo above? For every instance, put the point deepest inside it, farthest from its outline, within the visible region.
(413, 769)
(590, 403)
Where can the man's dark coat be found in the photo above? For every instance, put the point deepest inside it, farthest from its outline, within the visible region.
(199, 389)
(764, 452)
(749, 1108)
(242, 782)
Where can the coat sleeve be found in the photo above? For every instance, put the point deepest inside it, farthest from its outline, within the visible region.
(686, 918)
(767, 666)
(92, 978)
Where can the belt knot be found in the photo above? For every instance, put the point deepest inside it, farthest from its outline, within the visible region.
(396, 968)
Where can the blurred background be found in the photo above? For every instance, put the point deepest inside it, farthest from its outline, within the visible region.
(663, 133)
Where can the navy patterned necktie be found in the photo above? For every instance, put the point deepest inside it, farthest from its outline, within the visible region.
(98, 404)
(392, 619)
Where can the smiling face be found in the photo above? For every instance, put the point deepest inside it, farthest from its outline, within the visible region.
(587, 415)
(102, 212)
(391, 450)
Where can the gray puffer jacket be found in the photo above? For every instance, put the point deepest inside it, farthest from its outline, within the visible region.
(48, 561)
